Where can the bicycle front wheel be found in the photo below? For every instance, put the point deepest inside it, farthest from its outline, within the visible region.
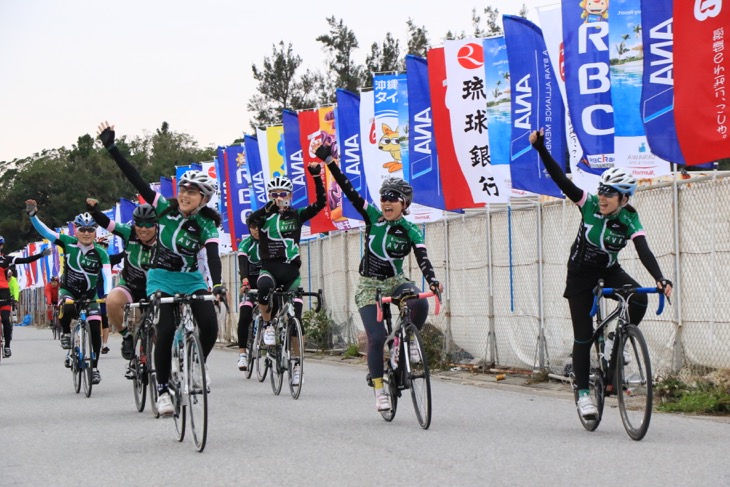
(635, 391)
(75, 369)
(390, 384)
(277, 371)
(197, 391)
(419, 379)
(250, 340)
(295, 341)
(151, 370)
(86, 358)
(261, 360)
(597, 388)
(138, 369)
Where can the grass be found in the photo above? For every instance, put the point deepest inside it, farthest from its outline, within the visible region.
(699, 396)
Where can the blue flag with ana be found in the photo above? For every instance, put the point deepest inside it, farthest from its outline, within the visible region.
(423, 169)
(166, 187)
(536, 102)
(347, 119)
(294, 159)
(126, 209)
(255, 172)
(238, 194)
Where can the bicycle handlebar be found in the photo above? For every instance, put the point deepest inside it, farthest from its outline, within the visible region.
(625, 291)
(186, 297)
(380, 300)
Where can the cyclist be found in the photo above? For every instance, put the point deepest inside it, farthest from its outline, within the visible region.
(84, 260)
(51, 293)
(607, 223)
(6, 298)
(390, 239)
(185, 226)
(249, 267)
(280, 227)
(139, 240)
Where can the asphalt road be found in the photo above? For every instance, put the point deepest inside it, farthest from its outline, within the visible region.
(492, 435)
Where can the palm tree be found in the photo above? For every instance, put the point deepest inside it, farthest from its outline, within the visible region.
(637, 31)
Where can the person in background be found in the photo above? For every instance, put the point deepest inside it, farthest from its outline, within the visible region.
(249, 267)
(51, 293)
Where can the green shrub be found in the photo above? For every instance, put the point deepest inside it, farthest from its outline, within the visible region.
(702, 397)
(318, 328)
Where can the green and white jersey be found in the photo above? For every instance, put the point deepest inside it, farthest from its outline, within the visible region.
(137, 258)
(82, 266)
(389, 243)
(600, 238)
(249, 247)
(180, 238)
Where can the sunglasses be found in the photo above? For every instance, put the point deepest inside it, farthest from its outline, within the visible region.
(279, 194)
(87, 230)
(607, 191)
(145, 224)
(390, 197)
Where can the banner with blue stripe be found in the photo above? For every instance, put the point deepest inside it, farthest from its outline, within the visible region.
(294, 160)
(255, 172)
(347, 120)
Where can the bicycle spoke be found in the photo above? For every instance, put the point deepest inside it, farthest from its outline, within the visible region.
(295, 352)
(138, 369)
(418, 375)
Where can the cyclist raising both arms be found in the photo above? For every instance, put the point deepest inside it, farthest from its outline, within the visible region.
(139, 240)
(83, 262)
(186, 225)
(280, 228)
(7, 261)
(390, 239)
(249, 268)
(607, 223)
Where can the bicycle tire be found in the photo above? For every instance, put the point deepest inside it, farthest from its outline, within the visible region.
(635, 384)
(151, 370)
(262, 362)
(86, 358)
(390, 383)
(418, 376)
(176, 388)
(197, 391)
(277, 371)
(138, 368)
(295, 325)
(597, 388)
(250, 340)
(75, 369)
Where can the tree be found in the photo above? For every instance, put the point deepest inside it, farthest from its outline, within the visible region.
(418, 42)
(493, 26)
(341, 70)
(279, 87)
(475, 21)
(384, 58)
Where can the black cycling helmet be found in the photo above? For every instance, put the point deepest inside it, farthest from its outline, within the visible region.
(252, 222)
(400, 187)
(144, 213)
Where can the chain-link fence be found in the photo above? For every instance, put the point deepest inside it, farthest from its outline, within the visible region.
(504, 272)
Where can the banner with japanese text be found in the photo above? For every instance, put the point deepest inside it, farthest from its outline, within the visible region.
(701, 90)
(237, 194)
(466, 101)
(535, 104)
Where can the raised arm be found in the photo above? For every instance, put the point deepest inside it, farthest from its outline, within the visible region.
(106, 135)
(324, 153)
(310, 211)
(31, 208)
(573, 192)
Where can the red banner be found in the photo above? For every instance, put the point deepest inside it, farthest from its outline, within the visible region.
(457, 194)
(701, 84)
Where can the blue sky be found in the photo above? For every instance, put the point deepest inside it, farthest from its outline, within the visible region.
(67, 65)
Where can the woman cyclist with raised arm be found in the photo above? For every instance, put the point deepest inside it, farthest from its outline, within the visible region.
(280, 228)
(186, 225)
(84, 261)
(607, 223)
(7, 261)
(249, 268)
(390, 238)
(139, 240)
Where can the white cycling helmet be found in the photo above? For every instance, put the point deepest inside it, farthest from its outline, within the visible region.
(84, 220)
(198, 179)
(280, 183)
(619, 179)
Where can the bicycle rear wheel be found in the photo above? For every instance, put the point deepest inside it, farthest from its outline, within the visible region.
(294, 335)
(86, 358)
(180, 410)
(597, 388)
(390, 384)
(250, 344)
(151, 371)
(197, 391)
(418, 376)
(139, 370)
(75, 369)
(635, 391)
(277, 371)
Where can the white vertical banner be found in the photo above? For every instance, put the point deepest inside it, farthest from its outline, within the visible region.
(466, 101)
(263, 142)
(371, 155)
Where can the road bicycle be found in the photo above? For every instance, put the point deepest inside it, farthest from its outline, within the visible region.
(407, 366)
(621, 365)
(141, 368)
(188, 383)
(253, 340)
(55, 324)
(288, 349)
(81, 355)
